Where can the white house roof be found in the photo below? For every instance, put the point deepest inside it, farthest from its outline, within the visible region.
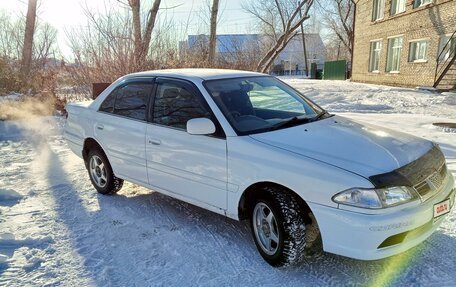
(205, 74)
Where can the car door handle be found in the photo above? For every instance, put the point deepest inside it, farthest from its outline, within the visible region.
(100, 127)
(155, 142)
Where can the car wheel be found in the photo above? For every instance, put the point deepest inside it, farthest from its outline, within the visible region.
(284, 234)
(101, 175)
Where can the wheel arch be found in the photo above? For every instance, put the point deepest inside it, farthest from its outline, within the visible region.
(90, 143)
(254, 190)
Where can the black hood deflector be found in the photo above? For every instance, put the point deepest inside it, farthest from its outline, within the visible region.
(412, 173)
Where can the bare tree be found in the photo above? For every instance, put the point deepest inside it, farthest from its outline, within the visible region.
(142, 38)
(27, 48)
(13, 77)
(213, 34)
(241, 53)
(12, 31)
(338, 17)
(11, 37)
(279, 19)
(44, 42)
(105, 49)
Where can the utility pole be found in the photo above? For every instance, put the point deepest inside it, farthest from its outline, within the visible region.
(289, 67)
(353, 39)
(304, 44)
(338, 51)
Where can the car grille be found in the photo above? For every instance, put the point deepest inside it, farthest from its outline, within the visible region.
(432, 184)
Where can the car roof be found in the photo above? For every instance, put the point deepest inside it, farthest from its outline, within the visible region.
(191, 74)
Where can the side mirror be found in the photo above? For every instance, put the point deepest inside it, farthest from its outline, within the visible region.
(200, 126)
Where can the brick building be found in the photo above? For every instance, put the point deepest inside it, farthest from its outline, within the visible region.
(402, 42)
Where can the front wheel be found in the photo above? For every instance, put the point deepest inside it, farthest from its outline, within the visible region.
(101, 175)
(281, 228)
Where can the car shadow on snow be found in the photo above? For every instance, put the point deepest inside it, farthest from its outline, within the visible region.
(145, 238)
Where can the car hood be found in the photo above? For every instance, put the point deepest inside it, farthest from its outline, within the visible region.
(360, 148)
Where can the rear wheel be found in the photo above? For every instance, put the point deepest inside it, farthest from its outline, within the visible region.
(283, 231)
(100, 172)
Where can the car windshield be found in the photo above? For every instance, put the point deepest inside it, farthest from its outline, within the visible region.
(260, 104)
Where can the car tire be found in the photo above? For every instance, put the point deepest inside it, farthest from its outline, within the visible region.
(282, 230)
(100, 173)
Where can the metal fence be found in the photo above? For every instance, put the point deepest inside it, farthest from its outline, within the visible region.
(335, 70)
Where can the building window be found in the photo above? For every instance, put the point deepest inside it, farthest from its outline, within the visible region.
(378, 10)
(447, 47)
(419, 3)
(418, 51)
(393, 60)
(374, 56)
(397, 6)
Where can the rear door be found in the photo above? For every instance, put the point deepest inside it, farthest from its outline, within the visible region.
(193, 166)
(121, 125)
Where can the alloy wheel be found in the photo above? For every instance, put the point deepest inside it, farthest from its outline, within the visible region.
(265, 228)
(98, 171)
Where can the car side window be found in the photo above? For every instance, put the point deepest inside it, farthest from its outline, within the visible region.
(108, 104)
(131, 100)
(175, 104)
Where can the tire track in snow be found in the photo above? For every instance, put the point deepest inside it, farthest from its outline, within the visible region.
(153, 240)
(214, 238)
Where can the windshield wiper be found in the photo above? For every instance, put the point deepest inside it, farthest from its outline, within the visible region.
(320, 116)
(294, 121)
(290, 122)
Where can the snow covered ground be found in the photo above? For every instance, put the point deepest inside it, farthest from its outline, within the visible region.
(55, 230)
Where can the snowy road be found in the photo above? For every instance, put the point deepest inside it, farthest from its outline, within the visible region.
(55, 230)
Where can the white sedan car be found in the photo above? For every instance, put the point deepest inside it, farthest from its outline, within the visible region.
(248, 146)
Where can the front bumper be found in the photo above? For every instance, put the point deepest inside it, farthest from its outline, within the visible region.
(362, 236)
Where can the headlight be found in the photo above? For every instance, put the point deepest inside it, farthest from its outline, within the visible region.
(375, 198)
